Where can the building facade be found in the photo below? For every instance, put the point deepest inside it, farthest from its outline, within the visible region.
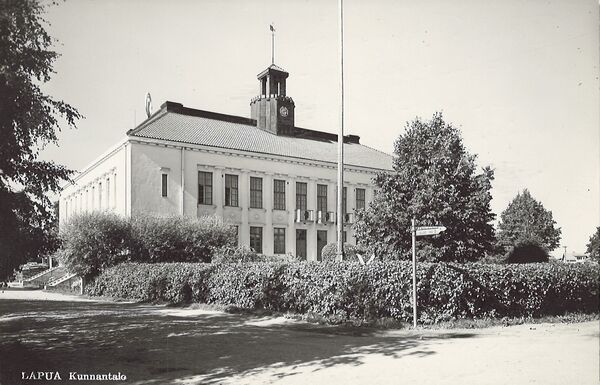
(273, 181)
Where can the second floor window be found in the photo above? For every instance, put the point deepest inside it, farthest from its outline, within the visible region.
(360, 198)
(279, 194)
(256, 193)
(204, 188)
(231, 190)
(322, 197)
(301, 188)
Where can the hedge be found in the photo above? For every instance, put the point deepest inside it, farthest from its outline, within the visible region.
(342, 291)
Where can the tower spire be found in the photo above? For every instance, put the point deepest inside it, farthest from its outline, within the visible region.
(272, 43)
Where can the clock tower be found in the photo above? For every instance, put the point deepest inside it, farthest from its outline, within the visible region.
(272, 109)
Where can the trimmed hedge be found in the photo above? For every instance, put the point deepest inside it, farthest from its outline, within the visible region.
(352, 291)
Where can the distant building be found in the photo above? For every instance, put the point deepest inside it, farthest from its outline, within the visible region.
(272, 180)
(574, 257)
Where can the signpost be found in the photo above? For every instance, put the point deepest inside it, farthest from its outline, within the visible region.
(419, 232)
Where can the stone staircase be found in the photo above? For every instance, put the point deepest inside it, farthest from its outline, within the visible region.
(42, 279)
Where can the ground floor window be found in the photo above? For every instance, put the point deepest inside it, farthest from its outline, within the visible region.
(301, 244)
(279, 241)
(321, 242)
(256, 239)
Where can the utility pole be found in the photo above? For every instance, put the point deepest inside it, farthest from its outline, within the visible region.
(413, 230)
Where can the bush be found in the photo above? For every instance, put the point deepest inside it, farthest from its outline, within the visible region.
(527, 253)
(351, 291)
(236, 254)
(94, 241)
(329, 252)
(179, 239)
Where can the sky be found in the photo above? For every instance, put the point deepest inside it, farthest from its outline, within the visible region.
(519, 78)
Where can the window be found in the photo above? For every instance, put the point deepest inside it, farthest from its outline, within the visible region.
(115, 191)
(164, 185)
(279, 241)
(108, 193)
(231, 190)
(301, 188)
(360, 198)
(301, 244)
(256, 239)
(322, 197)
(256, 193)
(100, 195)
(321, 242)
(204, 188)
(279, 194)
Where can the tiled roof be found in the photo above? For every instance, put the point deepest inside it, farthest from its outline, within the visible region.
(244, 137)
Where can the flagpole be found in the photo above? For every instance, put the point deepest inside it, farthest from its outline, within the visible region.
(340, 191)
(272, 45)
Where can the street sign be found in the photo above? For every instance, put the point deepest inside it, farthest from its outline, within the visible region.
(428, 230)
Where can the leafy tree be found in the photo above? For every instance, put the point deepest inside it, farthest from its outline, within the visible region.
(434, 181)
(526, 222)
(29, 120)
(593, 248)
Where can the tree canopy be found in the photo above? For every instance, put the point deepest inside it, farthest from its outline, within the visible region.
(434, 180)
(593, 247)
(29, 120)
(526, 222)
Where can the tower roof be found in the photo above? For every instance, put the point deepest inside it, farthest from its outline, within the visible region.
(273, 68)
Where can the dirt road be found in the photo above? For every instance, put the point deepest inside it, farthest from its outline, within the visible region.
(160, 345)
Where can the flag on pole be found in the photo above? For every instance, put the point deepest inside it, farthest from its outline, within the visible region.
(272, 28)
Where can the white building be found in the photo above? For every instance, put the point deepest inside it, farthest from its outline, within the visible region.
(275, 182)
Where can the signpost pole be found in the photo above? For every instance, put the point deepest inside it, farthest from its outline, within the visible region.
(414, 272)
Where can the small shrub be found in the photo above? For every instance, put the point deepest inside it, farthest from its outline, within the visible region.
(235, 254)
(92, 242)
(329, 252)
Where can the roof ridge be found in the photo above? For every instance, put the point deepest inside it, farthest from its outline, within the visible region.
(374, 149)
(153, 118)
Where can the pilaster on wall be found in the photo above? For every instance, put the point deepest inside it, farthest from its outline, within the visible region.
(127, 179)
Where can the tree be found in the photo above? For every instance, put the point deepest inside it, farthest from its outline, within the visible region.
(526, 222)
(434, 181)
(29, 120)
(593, 248)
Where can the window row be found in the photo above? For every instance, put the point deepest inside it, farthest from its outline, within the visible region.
(205, 193)
(279, 247)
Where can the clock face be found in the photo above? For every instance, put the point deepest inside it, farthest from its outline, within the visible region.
(283, 111)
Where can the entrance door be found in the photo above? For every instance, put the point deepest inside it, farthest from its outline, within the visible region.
(321, 242)
(301, 244)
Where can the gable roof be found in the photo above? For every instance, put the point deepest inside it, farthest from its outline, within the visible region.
(233, 132)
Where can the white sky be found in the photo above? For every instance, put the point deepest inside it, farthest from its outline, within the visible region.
(519, 77)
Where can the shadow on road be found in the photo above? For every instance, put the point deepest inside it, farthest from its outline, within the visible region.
(152, 344)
